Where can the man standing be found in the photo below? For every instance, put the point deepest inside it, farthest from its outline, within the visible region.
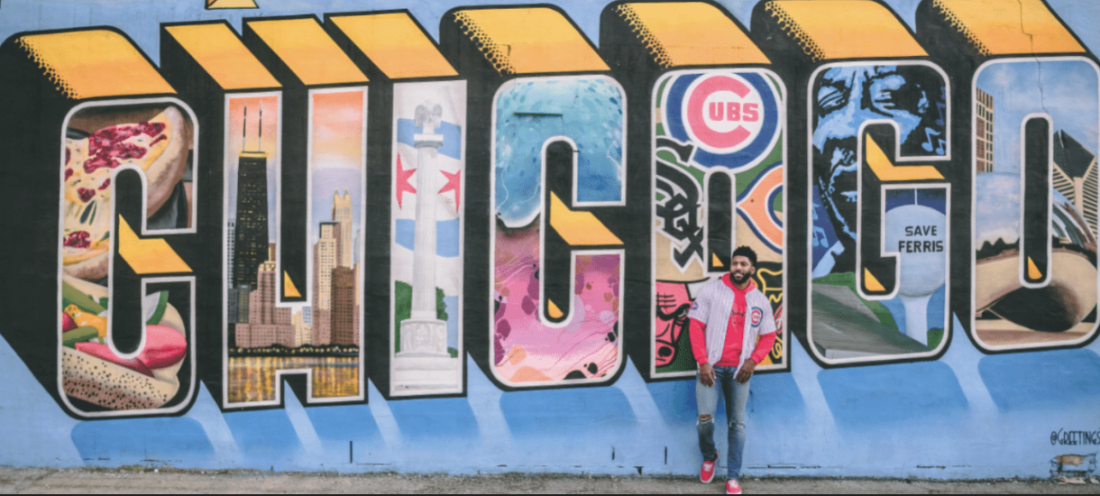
(726, 319)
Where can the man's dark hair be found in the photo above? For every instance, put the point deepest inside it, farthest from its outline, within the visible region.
(744, 251)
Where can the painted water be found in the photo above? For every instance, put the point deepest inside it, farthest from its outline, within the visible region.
(253, 378)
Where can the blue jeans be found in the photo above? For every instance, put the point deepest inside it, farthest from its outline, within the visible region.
(737, 396)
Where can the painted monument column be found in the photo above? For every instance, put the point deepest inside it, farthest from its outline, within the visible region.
(423, 333)
(417, 143)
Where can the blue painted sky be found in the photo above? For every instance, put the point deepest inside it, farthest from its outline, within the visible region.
(1066, 90)
(452, 136)
(143, 24)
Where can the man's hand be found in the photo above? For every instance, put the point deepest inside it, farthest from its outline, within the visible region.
(706, 375)
(746, 371)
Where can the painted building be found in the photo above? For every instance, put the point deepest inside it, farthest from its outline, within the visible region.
(342, 215)
(302, 332)
(983, 131)
(1075, 176)
(326, 254)
(267, 324)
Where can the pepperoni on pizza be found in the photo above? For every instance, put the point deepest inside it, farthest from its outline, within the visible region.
(158, 146)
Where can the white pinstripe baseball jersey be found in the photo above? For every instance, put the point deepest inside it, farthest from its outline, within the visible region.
(713, 307)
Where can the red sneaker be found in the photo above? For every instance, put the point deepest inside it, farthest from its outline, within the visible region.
(732, 487)
(706, 474)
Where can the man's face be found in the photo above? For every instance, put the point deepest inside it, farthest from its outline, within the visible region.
(741, 269)
(846, 97)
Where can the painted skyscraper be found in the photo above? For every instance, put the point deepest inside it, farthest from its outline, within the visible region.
(342, 316)
(324, 260)
(250, 246)
(983, 131)
(342, 214)
(230, 238)
(1075, 175)
(268, 324)
(302, 333)
(238, 304)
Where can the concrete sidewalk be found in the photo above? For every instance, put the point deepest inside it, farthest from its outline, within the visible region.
(142, 480)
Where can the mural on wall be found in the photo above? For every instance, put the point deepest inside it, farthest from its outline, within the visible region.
(855, 314)
(115, 157)
(288, 329)
(1045, 294)
(418, 130)
(320, 338)
(719, 172)
(426, 250)
(510, 224)
(104, 371)
(580, 120)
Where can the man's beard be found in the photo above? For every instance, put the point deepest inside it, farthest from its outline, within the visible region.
(738, 277)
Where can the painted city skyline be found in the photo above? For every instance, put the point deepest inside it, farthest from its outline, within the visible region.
(337, 144)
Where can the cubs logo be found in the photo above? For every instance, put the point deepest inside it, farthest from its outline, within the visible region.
(731, 117)
(756, 316)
